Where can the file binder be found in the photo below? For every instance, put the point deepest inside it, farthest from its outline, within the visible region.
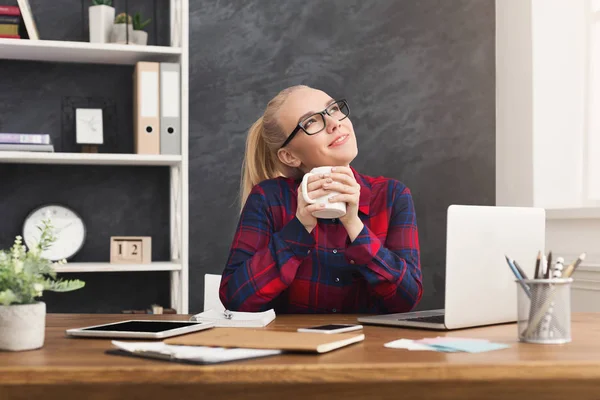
(170, 115)
(146, 108)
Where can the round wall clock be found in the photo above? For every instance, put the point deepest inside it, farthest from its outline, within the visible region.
(69, 230)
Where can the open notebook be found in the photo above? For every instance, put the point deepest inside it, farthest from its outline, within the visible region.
(187, 354)
(234, 319)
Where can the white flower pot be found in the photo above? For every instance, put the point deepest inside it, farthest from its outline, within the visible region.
(22, 326)
(119, 33)
(101, 23)
(140, 37)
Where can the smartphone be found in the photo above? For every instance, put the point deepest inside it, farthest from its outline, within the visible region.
(332, 328)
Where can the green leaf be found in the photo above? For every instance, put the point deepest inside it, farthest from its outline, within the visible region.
(137, 22)
(63, 285)
(7, 297)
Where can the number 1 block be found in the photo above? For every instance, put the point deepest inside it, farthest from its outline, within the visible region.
(130, 249)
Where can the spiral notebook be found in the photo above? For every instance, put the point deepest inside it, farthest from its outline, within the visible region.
(232, 319)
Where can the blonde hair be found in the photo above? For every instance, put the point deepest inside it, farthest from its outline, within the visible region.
(265, 137)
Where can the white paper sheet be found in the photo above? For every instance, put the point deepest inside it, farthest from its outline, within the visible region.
(193, 353)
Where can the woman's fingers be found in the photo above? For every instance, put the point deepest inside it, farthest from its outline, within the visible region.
(344, 198)
(342, 188)
(343, 178)
(315, 184)
(315, 194)
(343, 170)
(314, 207)
(319, 185)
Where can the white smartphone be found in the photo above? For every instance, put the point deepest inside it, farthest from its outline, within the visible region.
(332, 328)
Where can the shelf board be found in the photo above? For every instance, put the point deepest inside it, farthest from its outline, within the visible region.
(84, 52)
(573, 213)
(29, 157)
(108, 267)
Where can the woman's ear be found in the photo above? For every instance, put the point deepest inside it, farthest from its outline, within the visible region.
(288, 158)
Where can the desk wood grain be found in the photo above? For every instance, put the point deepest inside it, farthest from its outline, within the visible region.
(69, 367)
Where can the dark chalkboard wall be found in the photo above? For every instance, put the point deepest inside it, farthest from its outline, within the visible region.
(419, 77)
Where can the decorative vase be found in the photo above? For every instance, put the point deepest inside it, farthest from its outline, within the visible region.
(140, 37)
(119, 33)
(101, 23)
(22, 326)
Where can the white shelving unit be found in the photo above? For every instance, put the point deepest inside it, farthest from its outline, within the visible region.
(21, 157)
(107, 267)
(81, 52)
(116, 54)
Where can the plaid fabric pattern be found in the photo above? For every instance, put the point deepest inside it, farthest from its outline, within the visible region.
(275, 263)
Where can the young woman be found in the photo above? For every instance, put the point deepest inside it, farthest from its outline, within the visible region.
(282, 257)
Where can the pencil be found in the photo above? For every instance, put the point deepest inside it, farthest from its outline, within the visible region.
(571, 268)
(518, 276)
(518, 267)
(537, 265)
(549, 266)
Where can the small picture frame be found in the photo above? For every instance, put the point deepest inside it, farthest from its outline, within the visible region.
(130, 250)
(89, 126)
(112, 132)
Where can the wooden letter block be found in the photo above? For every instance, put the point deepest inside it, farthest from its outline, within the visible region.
(130, 250)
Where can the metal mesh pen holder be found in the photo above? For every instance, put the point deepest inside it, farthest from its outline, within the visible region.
(544, 310)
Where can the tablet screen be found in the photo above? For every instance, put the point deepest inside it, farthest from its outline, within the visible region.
(142, 326)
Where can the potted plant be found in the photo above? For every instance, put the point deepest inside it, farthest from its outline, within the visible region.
(139, 36)
(102, 15)
(122, 30)
(24, 275)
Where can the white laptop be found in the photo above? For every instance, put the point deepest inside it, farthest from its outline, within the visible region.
(480, 287)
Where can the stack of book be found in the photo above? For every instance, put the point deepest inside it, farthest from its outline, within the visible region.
(10, 18)
(26, 142)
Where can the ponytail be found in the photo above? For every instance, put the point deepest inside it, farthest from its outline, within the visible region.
(259, 163)
(265, 137)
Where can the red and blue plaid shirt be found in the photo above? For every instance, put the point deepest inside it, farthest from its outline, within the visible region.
(275, 263)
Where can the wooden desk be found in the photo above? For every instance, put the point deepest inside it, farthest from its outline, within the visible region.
(70, 368)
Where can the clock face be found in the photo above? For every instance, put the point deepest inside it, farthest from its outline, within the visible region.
(68, 229)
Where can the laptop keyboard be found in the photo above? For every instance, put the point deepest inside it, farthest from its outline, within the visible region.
(436, 319)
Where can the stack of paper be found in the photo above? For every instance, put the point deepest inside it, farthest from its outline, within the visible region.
(196, 354)
(447, 345)
(236, 318)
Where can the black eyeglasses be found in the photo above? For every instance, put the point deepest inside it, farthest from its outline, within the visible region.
(315, 123)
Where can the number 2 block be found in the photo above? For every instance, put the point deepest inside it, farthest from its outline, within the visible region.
(130, 250)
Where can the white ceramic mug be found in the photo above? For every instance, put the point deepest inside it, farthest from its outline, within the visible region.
(331, 210)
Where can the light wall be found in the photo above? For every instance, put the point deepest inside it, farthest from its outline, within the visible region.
(541, 60)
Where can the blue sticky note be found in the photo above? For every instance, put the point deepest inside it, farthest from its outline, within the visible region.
(439, 347)
(470, 346)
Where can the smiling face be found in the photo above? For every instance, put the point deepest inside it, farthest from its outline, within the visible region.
(333, 146)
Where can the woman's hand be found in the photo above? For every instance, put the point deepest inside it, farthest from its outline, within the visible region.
(305, 210)
(342, 180)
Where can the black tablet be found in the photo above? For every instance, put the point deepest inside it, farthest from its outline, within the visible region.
(140, 329)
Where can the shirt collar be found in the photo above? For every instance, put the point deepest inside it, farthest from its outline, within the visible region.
(365, 193)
